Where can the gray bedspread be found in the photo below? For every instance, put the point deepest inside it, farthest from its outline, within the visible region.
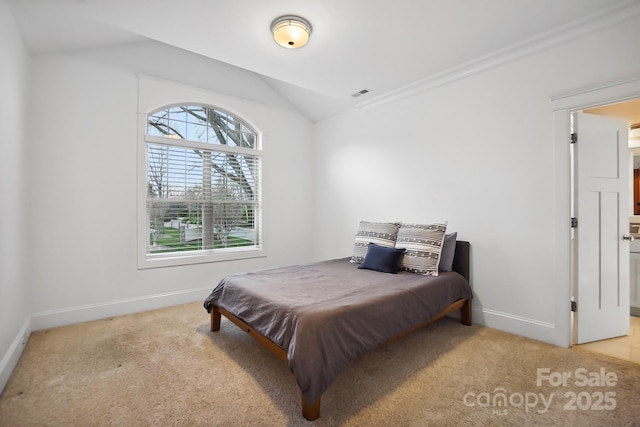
(326, 314)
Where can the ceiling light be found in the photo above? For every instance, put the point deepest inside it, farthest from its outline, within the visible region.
(291, 31)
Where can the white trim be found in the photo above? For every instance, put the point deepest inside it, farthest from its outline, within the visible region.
(84, 313)
(562, 106)
(567, 33)
(164, 260)
(561, 230)
(154, 94)
(599, 94)
(511, 323)
(510, 317)
(11, 357)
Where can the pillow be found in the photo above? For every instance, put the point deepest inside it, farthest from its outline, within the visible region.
(448, 252)
(380, 233)
(379, 258)
(423, 243)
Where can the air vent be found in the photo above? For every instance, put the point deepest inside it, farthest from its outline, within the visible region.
(362, 92)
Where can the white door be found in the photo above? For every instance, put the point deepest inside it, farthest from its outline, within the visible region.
(602, 179)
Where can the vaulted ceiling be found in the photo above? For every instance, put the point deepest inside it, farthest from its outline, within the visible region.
(380, 45)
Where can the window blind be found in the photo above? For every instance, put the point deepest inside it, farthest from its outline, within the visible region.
(203, 182)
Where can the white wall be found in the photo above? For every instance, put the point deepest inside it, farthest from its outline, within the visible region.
(15, 310)
(83, 181)
(478, 152)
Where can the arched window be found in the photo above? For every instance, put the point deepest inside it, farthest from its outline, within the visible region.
(203, 168)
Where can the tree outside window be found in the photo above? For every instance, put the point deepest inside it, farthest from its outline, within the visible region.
(203, 182)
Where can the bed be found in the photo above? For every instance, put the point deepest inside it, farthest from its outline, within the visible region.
(319, 317)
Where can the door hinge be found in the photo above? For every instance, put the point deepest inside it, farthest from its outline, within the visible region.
(574, 222)
(574, 306)
(574, 138)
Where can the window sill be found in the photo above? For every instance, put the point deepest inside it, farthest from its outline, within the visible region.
(164, 260)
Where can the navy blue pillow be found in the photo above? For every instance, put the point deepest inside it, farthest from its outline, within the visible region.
(380, 258)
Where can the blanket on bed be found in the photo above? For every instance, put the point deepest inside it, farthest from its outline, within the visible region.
(326, 314)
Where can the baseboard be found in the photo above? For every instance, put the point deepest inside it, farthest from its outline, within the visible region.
(530, 328)
(11, 357)
(84, 313)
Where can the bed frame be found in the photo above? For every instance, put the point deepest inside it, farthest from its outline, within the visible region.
(311, 411)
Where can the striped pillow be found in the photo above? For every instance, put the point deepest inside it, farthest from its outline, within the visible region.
(423, 244)
(381, 233)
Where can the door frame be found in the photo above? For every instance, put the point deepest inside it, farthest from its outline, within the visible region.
(562, 107)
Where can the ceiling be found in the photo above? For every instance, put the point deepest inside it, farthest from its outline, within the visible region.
(379, 45)
(628, 110)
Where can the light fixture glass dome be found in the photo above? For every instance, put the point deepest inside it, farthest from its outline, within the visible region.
(291, 31)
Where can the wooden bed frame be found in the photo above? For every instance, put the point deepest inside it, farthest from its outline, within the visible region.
(311, 411)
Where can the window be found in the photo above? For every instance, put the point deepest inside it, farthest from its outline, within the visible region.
(203, 174)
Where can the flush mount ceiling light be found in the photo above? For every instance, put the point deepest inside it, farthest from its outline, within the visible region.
(291, 31)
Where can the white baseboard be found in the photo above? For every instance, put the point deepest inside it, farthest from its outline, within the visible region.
(84, 313)
(518, 325)
(10, 358)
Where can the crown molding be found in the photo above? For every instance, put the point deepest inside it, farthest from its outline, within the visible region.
(607, 92)
(541, 42)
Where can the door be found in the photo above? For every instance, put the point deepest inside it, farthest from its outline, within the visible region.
(602, 190)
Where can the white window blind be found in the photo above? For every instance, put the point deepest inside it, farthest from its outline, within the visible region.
(203, 183)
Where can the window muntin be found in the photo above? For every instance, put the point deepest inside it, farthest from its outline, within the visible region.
(202, 183)
(202, 124)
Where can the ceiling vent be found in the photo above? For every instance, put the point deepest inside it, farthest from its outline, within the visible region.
(360, 93)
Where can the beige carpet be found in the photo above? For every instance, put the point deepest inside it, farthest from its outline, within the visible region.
(164, 368)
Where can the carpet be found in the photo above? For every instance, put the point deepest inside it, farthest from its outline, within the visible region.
(165, 368)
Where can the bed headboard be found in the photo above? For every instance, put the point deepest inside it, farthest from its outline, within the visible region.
(461, 258)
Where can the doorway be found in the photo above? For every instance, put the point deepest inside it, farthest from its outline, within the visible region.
(563, 105)
(605, 299)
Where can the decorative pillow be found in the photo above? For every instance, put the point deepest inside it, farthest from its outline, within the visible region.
(380, 233)
(448, 251)
(423, 243)
(379, 258)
